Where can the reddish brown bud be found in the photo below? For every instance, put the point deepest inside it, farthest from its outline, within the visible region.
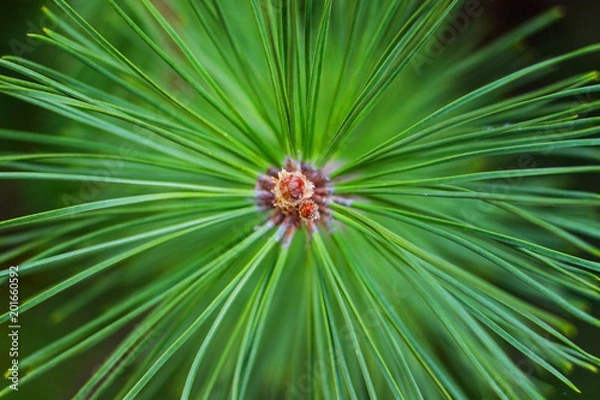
(299, 195)
(290, 189)
(308, 210)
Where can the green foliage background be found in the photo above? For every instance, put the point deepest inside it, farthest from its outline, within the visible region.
(578, 28)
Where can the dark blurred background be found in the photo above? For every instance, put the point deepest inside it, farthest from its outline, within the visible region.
(579, 27)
